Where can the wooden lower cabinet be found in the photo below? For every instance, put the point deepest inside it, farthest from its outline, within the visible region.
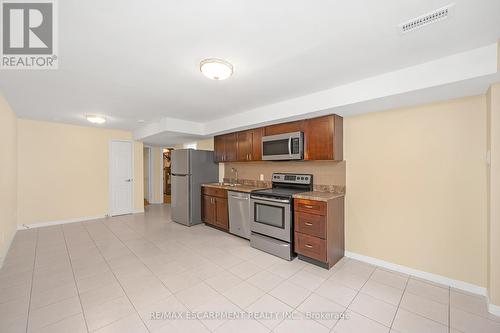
(319, 230)
(214, 207)
(221, 213)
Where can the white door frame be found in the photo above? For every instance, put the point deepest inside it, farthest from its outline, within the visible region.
(110, 172)
(150, 173)
(162, 178)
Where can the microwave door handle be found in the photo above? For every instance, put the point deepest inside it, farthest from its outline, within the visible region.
(290, 146)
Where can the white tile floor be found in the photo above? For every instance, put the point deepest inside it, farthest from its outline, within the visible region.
(109, 275)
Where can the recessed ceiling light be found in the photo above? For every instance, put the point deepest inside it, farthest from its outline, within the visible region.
(96, 119)
(216, 69)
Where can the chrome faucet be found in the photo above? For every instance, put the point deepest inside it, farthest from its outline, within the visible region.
(234, 170)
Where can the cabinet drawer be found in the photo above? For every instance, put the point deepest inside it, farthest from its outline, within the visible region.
(310, 206)
(309, 246)
(310, 224)
(214, 192)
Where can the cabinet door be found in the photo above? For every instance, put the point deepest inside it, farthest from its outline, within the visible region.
(319, 138)
(219, 148)
(256, 152)
(244, 145)
(221, 213)
(208, 209)
(294, 126)
(230, 147)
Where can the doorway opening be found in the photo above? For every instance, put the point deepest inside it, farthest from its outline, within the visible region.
(147, 175)
(167, 188)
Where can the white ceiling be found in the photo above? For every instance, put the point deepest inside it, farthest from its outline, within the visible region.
(134, 60)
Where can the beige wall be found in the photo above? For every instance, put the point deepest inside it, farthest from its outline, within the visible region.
(63, 171)
(8, 177)
(416, 187)
(493, 99)
(324, 172)
(207, 144)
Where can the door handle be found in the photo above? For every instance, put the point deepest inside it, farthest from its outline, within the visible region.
(308, 224)
(270, 199)
(240, 198)
(290, 146)
(309, 246)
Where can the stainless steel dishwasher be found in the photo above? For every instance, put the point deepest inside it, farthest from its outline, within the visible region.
(239, 213)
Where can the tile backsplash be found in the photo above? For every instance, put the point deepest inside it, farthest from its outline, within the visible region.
(328, 175)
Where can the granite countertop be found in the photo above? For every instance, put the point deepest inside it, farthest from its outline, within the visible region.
(237, 188)
(318, 196)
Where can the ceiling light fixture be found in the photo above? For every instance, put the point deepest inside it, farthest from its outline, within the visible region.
(96, 119)
(216, 69)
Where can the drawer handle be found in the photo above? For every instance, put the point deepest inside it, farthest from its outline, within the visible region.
(308, 224)
(308, 206)
(309, 246)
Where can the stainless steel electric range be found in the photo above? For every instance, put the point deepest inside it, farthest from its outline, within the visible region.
(271, 214)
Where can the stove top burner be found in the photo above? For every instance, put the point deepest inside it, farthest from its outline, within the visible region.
(285, 185)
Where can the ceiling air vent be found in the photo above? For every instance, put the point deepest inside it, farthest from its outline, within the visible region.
(426, 19)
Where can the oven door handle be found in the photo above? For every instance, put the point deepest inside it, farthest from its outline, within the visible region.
(290, 146)
(270, 199)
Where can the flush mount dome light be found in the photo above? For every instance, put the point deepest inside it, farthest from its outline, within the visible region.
(96, 119)
(216, 69)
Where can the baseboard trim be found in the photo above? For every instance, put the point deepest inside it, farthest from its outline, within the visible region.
(51, 223)
(494, 309)
(465, 286)
(9, 243)
(78, 219)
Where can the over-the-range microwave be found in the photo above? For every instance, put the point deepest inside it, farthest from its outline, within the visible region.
(282, 147)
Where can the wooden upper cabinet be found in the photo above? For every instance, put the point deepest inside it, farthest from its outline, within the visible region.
(244, 150)
(250, 145)
(323, 138)
(294, 126)
(231, 147)
(225, 147)
(219, 148)
(256, 152)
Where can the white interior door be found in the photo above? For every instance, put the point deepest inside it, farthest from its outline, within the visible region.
(121, 177)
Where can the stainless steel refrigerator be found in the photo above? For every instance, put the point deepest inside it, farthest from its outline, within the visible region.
(190, 169)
